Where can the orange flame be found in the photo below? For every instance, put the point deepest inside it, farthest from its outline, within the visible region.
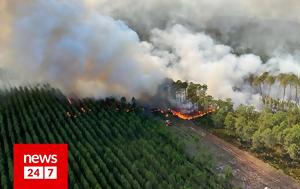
(191, 116)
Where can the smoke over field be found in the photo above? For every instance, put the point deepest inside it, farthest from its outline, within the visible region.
(126, 47)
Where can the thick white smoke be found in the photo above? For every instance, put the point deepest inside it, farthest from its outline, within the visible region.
(196, 57)
(80, 51)
(126, 47)
(264, 26)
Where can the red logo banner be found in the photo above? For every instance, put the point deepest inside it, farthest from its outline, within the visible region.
(39, 166)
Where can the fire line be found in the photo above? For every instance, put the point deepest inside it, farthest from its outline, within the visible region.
(191, 116)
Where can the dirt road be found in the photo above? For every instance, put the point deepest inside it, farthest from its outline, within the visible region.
(249, 172)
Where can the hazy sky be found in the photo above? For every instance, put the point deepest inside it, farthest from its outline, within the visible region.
(127, 47)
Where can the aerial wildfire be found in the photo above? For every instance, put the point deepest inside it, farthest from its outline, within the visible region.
(182, 115)
(193, 115)
(180, 99)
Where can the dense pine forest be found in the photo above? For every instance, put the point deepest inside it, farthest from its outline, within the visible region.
(274, 136)
(271, 134)
(112, 144)
(272, 131)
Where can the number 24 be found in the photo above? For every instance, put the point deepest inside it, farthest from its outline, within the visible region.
(37, 172)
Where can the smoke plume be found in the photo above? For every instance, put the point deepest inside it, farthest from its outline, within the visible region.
(79, 50)
(126, 47)
(262, 26)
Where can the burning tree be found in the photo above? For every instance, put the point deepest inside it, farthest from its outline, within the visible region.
(190, 100)
(191, 97)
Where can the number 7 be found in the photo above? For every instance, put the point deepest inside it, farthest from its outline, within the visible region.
(51, 171)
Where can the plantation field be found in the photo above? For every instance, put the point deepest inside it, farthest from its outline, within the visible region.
(111, 144)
